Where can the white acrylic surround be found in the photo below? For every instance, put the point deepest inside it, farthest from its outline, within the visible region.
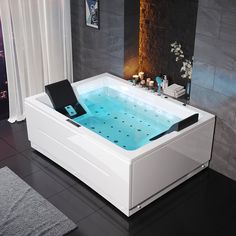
(128, 179)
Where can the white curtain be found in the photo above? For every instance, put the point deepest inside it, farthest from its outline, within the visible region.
(37, 42)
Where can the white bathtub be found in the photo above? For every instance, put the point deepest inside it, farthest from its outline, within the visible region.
(129, 180)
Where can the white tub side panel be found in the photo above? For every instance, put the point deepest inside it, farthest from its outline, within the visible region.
(156, 171)
(108, 176)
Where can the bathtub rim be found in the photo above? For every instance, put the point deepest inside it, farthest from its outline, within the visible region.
(126, 155)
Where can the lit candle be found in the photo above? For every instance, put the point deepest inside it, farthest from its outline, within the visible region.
(143, 82)
(135, 79)
(141, 75)
(147, 81)
(151, 83)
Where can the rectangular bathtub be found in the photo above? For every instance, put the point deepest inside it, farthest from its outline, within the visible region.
(129, 179)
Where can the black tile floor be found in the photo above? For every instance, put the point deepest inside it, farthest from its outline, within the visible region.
(204, 205)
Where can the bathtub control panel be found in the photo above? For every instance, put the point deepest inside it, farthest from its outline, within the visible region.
(70, 110)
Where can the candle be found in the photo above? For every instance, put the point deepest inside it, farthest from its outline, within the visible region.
(151, 83)
(141, 75)
(136, 77)
(147, 81)
(143, 82)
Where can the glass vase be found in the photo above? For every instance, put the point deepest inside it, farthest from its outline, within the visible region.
(188, 90)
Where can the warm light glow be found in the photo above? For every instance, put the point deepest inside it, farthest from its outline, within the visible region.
(131, 67)
(148, 42)
(141, 36)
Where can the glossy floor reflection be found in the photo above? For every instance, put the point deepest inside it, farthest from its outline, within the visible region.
(204, 205)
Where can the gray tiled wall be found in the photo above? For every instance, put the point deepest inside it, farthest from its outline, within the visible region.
(98, 51)
(214, 77)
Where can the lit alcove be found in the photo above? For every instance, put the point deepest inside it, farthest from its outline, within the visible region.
(160, 23)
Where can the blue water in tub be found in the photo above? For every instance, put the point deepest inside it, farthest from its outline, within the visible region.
(121, 119)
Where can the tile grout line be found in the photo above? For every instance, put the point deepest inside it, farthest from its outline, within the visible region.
(42, 169)
(39, 169)
(17, 153)
(68, 189)
(53, 195)
(63, 188)
(13, 146)
(9, 157)
(95, 211)
(54, 178)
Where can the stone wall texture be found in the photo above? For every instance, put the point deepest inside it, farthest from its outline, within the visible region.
(214, 77)
(161, 23)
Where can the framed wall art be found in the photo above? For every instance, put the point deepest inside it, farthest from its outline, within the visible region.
(92, 13)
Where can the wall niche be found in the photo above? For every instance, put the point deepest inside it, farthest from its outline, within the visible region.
(161, 23)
